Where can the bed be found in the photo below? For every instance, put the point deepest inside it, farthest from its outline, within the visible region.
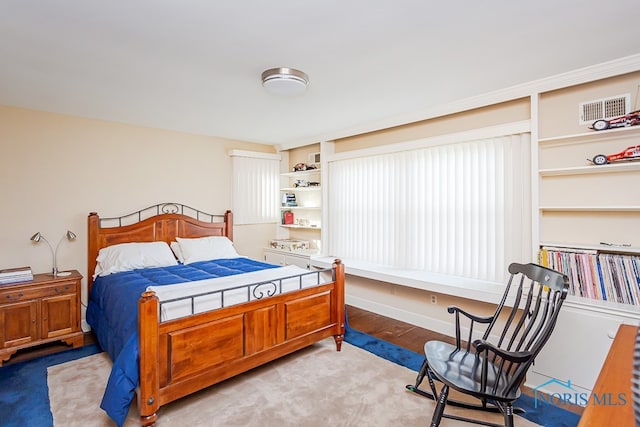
(172, 330)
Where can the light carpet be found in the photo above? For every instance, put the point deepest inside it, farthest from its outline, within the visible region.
(316, 386)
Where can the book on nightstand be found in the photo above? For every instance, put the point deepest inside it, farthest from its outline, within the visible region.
(15, 275)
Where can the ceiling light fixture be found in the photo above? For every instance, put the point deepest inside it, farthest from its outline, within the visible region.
(285, 81)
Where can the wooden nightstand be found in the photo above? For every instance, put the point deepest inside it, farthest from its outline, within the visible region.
(44, 310)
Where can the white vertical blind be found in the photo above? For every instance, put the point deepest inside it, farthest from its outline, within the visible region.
(255, 187)
(458, 209)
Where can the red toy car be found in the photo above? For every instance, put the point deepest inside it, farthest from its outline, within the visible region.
(629, 153)
(630, 119)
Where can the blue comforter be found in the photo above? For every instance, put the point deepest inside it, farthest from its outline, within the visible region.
(112, 312)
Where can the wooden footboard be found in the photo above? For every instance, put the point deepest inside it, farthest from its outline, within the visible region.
(179, 357)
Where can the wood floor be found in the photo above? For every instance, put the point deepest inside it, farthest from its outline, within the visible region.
(402, 334)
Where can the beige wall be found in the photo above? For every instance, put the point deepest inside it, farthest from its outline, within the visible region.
(506, 112)
(55, 169)
(559, 109)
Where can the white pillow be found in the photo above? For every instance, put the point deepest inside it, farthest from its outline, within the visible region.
(206, 248)
(129, 256)
(175, 247)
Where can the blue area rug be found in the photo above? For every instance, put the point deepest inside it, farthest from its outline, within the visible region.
(25, 395)
(545, 414)
(24, 392)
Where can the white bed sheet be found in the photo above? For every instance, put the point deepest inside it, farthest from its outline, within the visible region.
(231, 290)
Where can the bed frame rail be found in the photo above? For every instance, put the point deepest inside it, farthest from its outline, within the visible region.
(252, 291)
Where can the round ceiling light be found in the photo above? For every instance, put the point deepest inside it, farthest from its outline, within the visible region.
(285, 81)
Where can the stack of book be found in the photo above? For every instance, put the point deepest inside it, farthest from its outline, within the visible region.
(15, 275)
(596, 275)
(289, 199)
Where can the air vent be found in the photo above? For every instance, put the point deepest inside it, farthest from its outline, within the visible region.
(314, 158)
(604, 108)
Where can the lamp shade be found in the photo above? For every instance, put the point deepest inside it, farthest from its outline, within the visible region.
(285, 81)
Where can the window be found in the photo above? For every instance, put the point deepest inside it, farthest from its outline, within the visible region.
(255, 187)
(459, 208)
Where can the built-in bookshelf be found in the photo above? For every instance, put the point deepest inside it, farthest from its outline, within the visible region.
(586, 219)
(302, 198)
(595, 274)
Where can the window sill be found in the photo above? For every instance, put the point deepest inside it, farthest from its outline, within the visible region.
(478, 290)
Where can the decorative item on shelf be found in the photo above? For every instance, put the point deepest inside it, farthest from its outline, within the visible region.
(15, 275)
(300, 167)
(289, 244)
(287, 218)
(630, 154)
(289, 199)
(69, 235)
(304, 183)
(626, 120)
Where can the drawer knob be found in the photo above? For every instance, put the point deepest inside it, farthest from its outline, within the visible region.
(15, 297)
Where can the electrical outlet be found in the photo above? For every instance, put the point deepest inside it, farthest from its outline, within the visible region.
(434, 299)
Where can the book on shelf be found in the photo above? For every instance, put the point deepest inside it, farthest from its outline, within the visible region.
(15, 275)
(596, 275)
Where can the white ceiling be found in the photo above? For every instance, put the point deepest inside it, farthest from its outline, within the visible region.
(195, 65)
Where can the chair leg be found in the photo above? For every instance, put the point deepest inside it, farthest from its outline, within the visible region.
(432, 384)
(508, 415)
(424, 371)
(442, 401)
(421, 373)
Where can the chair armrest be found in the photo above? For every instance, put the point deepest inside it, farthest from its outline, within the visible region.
(479, 319)
(512, 356)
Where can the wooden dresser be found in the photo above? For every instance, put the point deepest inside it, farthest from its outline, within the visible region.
(44, 310)
(614, 384)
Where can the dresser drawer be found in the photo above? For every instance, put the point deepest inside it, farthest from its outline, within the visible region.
(33, 292)
(41, 311)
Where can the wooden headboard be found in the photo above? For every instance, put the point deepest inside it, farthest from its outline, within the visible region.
(162, 222)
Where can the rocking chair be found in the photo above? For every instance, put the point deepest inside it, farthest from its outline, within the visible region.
(493, 368)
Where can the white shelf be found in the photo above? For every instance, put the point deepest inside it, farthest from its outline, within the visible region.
(293, 208)
(613, 248)
(605, 307)
(302, 252)
(307, 227)
(313, 188)
(590, 208)
(302, 173)
(616, 133)
(592, 169)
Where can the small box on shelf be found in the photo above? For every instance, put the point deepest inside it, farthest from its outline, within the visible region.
(287, 218)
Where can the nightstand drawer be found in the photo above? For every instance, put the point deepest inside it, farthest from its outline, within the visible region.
(28, 293)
